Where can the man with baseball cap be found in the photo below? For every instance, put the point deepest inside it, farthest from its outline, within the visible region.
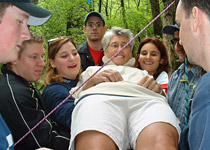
(176, 85)
(91, 51)
(14, 16)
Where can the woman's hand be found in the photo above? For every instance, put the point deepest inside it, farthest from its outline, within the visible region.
(150, 83)
(108, 75)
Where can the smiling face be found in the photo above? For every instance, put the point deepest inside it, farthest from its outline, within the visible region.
(115, 44)
(67, 61)
(150, 58)
(30, 64)
(13, 31)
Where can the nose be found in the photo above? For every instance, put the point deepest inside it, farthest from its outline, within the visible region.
(25, 33)
(148, 56)
(41, 62)
(71, 58)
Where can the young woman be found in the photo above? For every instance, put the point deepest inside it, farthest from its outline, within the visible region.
(152, 56)
(62, 74)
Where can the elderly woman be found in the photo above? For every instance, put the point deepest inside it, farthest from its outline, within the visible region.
(121, 107)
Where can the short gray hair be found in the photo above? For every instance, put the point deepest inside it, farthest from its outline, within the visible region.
(116, 31)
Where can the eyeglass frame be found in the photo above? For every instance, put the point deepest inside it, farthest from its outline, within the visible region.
(117, 46)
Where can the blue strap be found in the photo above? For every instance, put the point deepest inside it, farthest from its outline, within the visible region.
(186, 92)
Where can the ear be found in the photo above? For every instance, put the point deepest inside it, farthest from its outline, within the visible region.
(105, 52)
(196, 18)
(13, 62)
(161, 61)
(52, 63)
(105, 28)
(84, 29)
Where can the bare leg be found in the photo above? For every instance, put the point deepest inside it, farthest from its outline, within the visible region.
(158, 136)
(94, 140)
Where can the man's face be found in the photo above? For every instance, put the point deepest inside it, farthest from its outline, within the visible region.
(30, 64)
(178, 48)
(186, 34)
(94, 28)
(13, 31)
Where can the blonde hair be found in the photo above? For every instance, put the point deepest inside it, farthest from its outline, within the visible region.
(54, 46)
(35, 38)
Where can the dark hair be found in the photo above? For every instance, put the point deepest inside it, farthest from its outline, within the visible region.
(3, 7)
(204, 5)
(54, 46)
(163, 54)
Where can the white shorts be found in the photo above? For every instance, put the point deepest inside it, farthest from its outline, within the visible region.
(121, 118)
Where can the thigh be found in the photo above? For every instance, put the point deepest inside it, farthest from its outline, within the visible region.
(146, 112)
(100, 113)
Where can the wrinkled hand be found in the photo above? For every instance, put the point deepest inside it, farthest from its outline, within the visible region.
(108, 75)
(151, 84)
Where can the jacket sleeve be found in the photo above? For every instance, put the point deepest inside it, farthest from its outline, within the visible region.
(52, 97)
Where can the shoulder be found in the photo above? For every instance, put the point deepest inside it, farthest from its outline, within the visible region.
(202, 92)
(162, 78)
(178, 73)
(83, 48)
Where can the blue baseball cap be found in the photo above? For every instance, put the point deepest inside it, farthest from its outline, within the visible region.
(170, 29)
(38, 15)
(94, 13)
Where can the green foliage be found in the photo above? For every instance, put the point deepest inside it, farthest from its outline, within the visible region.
(68, 19)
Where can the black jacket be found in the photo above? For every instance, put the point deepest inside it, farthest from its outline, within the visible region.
(22, 108)
(85, 55)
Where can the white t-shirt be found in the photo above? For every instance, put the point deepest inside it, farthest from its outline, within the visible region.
(162, 78)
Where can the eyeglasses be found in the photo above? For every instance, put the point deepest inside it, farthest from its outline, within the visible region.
(115, 46)
(91, 25)
(174, 41)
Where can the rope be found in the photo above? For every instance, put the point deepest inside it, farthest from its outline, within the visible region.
(94, 74)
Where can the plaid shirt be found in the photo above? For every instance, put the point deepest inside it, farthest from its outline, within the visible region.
(176, 89)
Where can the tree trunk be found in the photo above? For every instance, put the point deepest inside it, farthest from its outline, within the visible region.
(169, 19)
(157, 25)
(99, 5)
(123, 14)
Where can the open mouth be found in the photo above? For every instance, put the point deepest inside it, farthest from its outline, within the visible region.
(148, 63)
(72, 66)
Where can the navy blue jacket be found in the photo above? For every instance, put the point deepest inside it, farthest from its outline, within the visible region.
(53, 95)
(22, 108)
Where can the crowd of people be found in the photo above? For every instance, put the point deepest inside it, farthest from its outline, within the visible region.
(123, 106)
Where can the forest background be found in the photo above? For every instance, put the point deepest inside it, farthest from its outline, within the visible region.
(68, 19)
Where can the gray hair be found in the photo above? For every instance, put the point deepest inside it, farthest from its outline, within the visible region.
(116, 31)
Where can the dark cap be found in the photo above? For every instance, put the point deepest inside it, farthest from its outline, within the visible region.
(94, 13)
(38, 15)
(170, 29)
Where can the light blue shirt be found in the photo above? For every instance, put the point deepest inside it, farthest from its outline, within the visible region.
(176, 89)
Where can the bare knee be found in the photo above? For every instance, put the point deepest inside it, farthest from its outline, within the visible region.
(158, 136)
(94, 140)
